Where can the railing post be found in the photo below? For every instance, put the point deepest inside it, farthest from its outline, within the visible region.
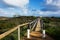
(18, 33)
(28, 31)
(29, 26)
(44, 31)
(44, 34)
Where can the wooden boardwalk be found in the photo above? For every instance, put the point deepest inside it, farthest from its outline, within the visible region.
(37, 35)
(34, 35)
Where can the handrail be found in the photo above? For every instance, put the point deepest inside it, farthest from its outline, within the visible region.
(33, 21)
(11, 30)
(33, 26)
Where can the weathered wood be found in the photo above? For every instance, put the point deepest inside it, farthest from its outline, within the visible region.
(33, 26)
(32, 21)
(11, 30)
(28, 33)
(18, 33)
(37, 35)
(38, 27)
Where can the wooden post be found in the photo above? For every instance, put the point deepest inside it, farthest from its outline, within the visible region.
(18, 33)
(28, 33)
(44, 34)
(30, 26)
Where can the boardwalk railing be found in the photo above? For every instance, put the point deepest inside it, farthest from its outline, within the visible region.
(35, 26)
(14, 29)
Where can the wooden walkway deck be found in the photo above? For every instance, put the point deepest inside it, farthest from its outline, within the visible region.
(37, 35)
(34, 35)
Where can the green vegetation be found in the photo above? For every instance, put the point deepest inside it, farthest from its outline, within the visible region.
(52, 26)
(13, 22)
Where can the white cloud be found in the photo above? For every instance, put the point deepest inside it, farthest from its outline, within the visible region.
(47, 13)
(6, 13)
(31, 13)
(25, 11)
(53, 2)
(10, 8)
(19, 3)
(2, 11)
(49, 1)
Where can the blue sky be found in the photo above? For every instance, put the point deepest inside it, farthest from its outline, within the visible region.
(30, 8)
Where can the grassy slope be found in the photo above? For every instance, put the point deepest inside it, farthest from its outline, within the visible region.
(52, 26)
(12, 22)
